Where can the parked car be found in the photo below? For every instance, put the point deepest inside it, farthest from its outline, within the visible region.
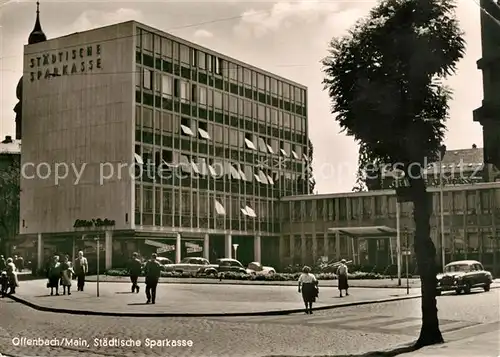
(464, 275)
(256, 268)
(189, 265)
(225, 265)
(164, 261)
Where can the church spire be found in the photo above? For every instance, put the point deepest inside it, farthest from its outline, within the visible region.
(37, 34)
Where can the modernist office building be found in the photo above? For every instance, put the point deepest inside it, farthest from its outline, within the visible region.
(213, 144)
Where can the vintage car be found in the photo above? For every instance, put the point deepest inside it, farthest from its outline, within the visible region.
(464, 275)
(255, 268)
(224, 265)
(193, 265)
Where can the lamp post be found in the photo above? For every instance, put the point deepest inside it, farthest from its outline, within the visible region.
(397, 174)
(235, 247)
(442, 151)
(98, 248)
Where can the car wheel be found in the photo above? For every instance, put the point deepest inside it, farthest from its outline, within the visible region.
(487, 287)
(271, 272)
(467, 289)
(458, 291)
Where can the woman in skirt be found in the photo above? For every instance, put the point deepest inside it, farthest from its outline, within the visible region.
(66, 275)
(54, 275)
(342, 272)
(308, 285)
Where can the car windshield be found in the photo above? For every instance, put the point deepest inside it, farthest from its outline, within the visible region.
(457, 268)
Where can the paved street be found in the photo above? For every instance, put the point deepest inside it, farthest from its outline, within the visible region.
(333, 332)
(200, 299)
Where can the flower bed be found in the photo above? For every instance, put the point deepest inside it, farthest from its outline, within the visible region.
(273, 277)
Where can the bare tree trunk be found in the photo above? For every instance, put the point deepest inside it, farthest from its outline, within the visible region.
(426, 261)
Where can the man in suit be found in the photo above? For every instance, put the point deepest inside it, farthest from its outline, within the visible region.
(135, 269)
(153, 273)
(81, 270)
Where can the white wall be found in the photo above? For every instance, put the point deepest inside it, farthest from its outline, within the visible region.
(76, 119)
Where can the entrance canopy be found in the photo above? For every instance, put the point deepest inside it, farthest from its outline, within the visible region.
(366, 232)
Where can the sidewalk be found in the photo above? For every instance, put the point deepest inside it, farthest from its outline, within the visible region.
(353, 283)
(195, 299)
(482, 345)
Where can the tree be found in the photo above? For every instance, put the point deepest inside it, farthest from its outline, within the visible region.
(9, 196)
(384, 81)
(310, 175)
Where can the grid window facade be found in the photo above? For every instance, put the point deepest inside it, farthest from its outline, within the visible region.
(219, 143)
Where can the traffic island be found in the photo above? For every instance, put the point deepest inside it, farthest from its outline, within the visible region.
(183, 300)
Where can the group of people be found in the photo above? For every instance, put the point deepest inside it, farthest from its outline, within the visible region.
(308, 284)
(8, 277)
(152, 273)
(62, 273)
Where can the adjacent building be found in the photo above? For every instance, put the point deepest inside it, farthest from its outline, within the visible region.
(152, 143)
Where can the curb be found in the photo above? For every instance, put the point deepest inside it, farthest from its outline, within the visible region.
(260, 283)
(235, 314)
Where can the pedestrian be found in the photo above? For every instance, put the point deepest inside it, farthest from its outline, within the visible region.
(66, 275)
(342, 272)
(135, 269)
(12, 276)
(308, 285)
(3, 263)
(4, 283)
(54, 275)
(19, 263)
(153, 273)
(81, 270)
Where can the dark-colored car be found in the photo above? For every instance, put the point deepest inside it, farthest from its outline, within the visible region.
(462, 276)
(225, 265)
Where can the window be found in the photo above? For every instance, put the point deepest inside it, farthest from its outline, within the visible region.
(249, 142)
(233, 70)
(247, 76)
(210, 96)
(202, 63)
(283, 150)
(157, 81)
(166, 119)
(262, 145)
(184, 87)
(261, 82)
(219, 208)
(147, 41)
(233, 104)
(138, 76)
(274, 116)
(147, 200)
(286, 120)
(202, 131)
(217, 100)
(175, 51)
(184, 54)
(261, 112)
(248, 211)
(202, 98)
(166, 47)
(166, 85)
(147, 79)
(218, 134)
(147, 117)
(247, 108)
(186, 127)
(233, 137)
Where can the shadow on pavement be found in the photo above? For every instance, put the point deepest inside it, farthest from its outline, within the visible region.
(389, 353)
(124, 292)
(137, 303)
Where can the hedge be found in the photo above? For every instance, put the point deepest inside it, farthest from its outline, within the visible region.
(273, 277)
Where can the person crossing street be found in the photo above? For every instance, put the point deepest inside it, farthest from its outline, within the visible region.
(153, 273)
(135, 268)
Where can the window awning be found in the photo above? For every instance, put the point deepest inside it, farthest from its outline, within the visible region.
(366, 232)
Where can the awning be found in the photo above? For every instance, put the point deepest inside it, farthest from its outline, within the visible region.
(366, 232)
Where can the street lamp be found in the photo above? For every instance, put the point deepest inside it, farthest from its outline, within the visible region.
(442, 151)
(397, 175)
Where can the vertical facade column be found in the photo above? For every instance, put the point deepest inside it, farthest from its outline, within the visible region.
(108, 249)
(337, 246)
(178, 248)
(257, 249)
(314, 247)
(228, 246)
(293, 253)
(303, 249)
(39, 251)
(326, 245)
(206, 247)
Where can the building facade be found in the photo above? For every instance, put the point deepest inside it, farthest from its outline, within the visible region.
(471, 225)
(167, 146)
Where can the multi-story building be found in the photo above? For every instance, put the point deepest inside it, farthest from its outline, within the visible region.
(311, 225)
(10, 152)
(171, 147)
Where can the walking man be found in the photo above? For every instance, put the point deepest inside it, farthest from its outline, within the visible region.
(134, 269)
(342, 272)
(153, 273)
(81, 270)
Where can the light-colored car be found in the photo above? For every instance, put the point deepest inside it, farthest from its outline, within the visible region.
(189, 265)
(256, 268)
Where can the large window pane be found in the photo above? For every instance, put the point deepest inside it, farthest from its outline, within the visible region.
(167, 85)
